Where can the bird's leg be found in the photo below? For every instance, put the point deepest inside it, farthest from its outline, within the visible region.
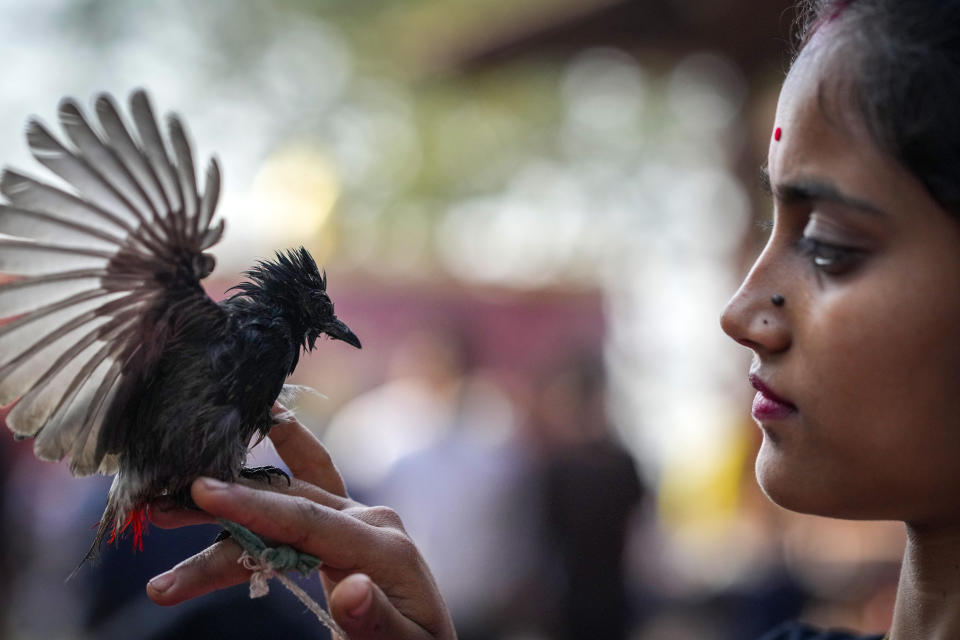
(260, 474)
(264, 473)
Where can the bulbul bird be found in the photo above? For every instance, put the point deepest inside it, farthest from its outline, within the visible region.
(111, 354)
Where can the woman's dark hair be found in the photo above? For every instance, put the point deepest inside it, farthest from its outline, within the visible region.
(905, 80)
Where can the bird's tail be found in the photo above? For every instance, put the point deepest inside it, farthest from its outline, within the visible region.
(120, 515)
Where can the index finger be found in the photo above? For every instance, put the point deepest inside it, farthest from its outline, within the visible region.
(324, 531)
(304, 454)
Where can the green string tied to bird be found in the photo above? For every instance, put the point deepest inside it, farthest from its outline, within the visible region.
(265, 562)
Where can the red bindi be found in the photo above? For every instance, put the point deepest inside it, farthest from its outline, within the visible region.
(777, 133)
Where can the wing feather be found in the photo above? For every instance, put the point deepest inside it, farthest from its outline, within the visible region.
(83, 458)
(102, 274)
(28, 294)
(119, 139)
(34, 409)
(211, 194)
(17, 335)
(58, 436)
(154, 150)
(109, 465)
(29, 257)
(75, 170)
(28, 193)
(35, 363)
(186, 173)
(38, 225)
(78, 405)
(97, 154)
(212, 236)
(21, 373)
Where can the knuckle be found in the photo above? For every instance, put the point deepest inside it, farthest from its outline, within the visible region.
(401, 548)
(306, 509)
(322, 458)
(380, 516)
(306, 513)
(211, 566)
(222, 558)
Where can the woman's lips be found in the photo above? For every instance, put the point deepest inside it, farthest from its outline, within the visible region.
(767, 405)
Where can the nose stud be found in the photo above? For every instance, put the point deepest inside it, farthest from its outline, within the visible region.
(777, 300)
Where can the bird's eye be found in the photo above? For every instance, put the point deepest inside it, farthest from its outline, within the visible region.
(321, 302)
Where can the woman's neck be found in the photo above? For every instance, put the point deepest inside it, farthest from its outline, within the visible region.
(928, 594)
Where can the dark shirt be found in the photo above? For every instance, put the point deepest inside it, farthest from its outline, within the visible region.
(798, 631)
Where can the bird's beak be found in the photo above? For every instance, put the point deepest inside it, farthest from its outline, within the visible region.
(339, 331)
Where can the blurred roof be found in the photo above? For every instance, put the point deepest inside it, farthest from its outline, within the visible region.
(749, 32)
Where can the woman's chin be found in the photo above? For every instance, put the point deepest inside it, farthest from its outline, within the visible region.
(796, 485)
(775, 479)
(810, 486)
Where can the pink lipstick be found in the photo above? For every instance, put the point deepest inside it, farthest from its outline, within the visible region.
(767, 405)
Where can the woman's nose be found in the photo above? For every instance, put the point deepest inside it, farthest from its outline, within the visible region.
(757, 316)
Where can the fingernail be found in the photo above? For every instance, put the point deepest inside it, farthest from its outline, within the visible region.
(162, 582)
(361, 589)
(212, 484)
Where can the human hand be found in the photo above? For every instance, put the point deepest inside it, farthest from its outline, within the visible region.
(376, 581)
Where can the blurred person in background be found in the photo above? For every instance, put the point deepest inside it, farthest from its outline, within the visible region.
(851, 312)
(589, 489)
(416, 406)
(479, 474)
(444, 441)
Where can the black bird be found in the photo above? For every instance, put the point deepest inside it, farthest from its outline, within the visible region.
(111, 353)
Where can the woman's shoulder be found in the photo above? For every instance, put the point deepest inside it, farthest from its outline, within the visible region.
(800, 631)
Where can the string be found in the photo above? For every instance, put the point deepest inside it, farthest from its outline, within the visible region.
(273, 562)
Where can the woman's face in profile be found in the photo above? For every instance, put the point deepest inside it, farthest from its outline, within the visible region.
(860, 366)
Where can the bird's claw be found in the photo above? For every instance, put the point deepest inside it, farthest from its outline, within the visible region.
(266, 473)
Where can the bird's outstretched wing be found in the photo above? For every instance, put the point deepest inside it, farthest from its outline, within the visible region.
(87, 265)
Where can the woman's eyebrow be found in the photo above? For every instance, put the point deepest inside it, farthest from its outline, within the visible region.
(804, 190)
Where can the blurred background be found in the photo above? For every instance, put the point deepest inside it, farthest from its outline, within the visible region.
(532, 214)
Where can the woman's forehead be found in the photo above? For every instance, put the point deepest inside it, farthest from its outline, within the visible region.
(817, 109)
(826, 68)
(824, 139)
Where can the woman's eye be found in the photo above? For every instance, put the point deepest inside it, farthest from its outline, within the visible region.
(831, 259)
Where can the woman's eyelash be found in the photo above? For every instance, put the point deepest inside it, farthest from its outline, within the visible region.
(830, 258)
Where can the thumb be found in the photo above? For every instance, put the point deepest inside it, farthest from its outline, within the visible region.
(365, 613)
